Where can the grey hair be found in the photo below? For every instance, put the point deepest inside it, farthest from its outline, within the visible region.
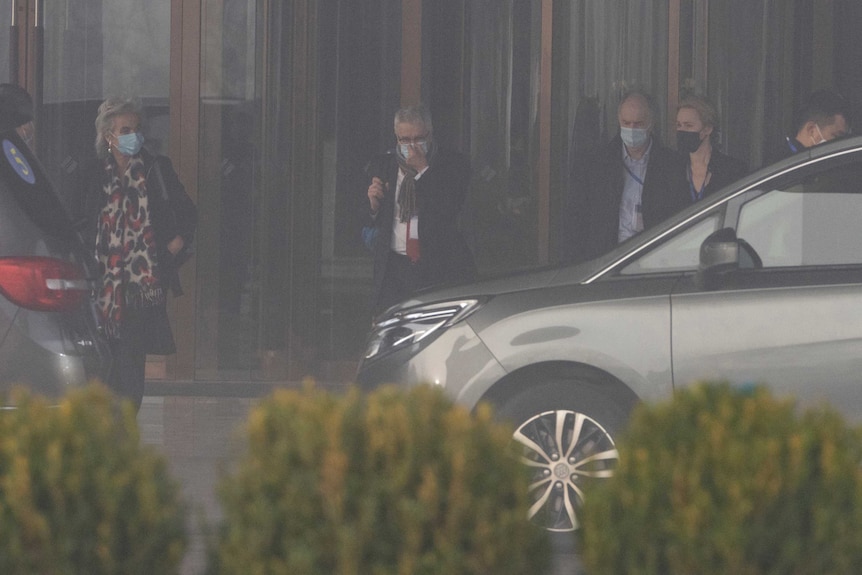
(108, 110)
(643, 97)
(414, 115)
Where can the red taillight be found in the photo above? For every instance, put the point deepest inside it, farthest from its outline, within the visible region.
(41, 283)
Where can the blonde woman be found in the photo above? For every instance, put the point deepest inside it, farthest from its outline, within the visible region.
(141, 222)
(707, 169)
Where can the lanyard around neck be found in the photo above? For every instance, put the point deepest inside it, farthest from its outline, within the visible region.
(632, 174)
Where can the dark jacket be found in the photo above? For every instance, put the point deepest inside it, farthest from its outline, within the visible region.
(440, 195)
(172, 213)
(724, 169)
(592, 212)
(789, 146)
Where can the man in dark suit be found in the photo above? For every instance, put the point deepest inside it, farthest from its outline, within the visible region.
(624, 187)
(415, 197)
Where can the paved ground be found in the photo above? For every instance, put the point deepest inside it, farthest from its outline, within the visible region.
(198, 435)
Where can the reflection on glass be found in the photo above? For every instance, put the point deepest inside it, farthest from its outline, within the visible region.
(772, 225)
(5, 32)
(228, 308)
(680, 253)
(791, 228)
(504, 202)
(237, 297)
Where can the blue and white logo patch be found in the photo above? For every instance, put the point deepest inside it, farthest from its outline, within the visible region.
(18, 162)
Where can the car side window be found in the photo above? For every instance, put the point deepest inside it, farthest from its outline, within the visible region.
(813, 222)
(680, 253)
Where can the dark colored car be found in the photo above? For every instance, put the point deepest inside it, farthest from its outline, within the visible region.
(49, 337)
(760, 283)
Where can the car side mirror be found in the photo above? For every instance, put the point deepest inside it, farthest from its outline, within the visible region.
(722, 253)
(719, 254)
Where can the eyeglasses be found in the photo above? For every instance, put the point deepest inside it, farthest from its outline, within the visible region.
(414, 141)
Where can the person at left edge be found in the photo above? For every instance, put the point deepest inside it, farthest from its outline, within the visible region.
(135, 211)
(16, 105)
(415, 198)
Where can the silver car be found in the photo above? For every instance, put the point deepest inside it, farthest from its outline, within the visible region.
(760, 283)
(49, 338)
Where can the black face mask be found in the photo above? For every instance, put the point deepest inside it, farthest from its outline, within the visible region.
(687, 142)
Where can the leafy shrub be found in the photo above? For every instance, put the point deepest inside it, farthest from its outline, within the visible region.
(79, 494)
(717, 481)
(389, 482)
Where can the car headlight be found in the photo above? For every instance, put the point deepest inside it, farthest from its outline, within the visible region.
(408, 326)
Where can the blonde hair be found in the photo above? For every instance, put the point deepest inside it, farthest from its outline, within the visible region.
(705, 110)
(108, 110)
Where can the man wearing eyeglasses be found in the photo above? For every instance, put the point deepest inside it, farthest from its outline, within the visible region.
(415, 198)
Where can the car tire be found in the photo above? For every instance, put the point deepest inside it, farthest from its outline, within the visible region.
(564, 434)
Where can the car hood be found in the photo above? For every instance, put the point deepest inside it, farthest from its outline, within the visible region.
(512, 282)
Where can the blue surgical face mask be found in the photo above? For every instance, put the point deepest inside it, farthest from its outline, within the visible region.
(634, 137)
(404, 149)
(130, 144)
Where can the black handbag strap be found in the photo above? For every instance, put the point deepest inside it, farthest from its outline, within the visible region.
(161, 179)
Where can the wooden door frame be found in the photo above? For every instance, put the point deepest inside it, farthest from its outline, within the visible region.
(185, 62)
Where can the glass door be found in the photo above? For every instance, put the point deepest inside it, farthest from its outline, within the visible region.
(8, 34)
(229, 297)
(93, 49)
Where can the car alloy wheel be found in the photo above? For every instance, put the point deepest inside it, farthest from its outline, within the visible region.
(565, 451)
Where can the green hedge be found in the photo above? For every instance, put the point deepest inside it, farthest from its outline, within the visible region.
(717, 481)
(390, 482)
(79, 494)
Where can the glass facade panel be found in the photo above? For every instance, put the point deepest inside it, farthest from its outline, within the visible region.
(751, 75)
(284, 278)
(504, 51)
(359, 47)
(229, 199)
(91, 51)
(611, 47)
(79, 56)
(6, 34)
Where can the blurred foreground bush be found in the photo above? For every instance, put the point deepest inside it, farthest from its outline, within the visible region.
(79, 494)
(717, 481)
(390, 482)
